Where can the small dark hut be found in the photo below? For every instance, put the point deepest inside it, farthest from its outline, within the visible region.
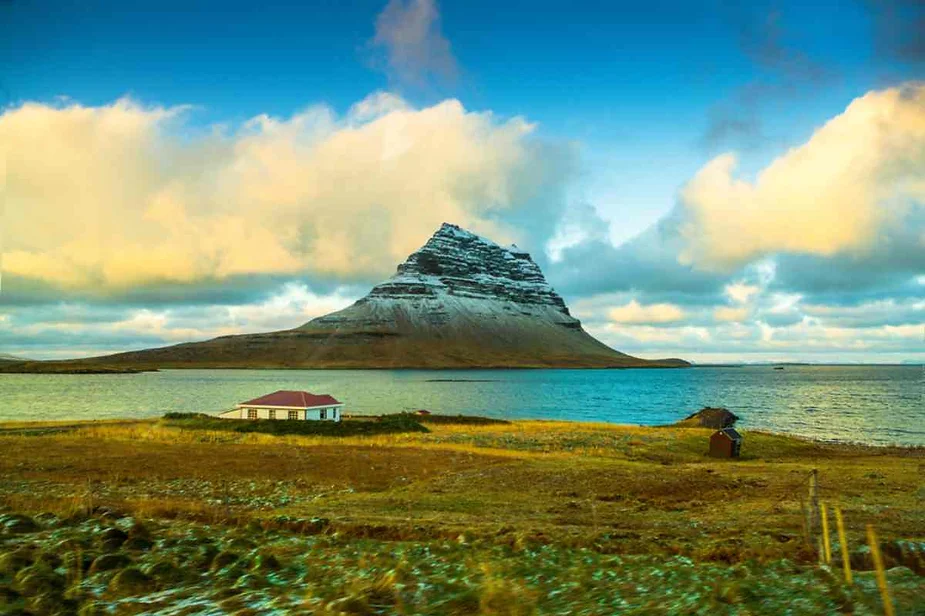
(725, 443)
(423, 412)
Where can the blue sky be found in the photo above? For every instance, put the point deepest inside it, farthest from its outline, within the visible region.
(628, 103)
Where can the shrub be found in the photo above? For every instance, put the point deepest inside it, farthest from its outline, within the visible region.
(387, 424)
(462, 420)
(179, 415)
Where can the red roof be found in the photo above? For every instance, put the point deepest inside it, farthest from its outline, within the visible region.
(299, 399)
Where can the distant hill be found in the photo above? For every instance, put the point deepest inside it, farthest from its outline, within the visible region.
(461, 301)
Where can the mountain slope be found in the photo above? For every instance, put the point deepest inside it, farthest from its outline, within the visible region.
(461, 301)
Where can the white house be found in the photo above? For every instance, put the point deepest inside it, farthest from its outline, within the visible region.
(299, 405)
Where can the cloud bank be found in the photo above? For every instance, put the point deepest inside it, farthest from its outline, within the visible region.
(821, 256)
(634, 312)
(103, 199)
(855, 181)
(128, 227)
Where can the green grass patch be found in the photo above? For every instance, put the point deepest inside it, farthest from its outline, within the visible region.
(387, 424)
(460, 420)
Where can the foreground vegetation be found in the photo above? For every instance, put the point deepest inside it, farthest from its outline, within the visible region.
(503, 518)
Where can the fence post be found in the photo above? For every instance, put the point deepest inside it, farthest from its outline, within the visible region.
(812, 515)
(813, 501)
(826, 540)
(881, 574)
(843, 543)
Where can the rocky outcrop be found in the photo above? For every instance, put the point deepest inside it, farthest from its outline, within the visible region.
(709, 417)
(459, 263)
(456, 275)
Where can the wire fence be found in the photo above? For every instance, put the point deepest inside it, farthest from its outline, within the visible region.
(818, 514)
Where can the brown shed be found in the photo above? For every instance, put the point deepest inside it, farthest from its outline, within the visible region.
(725, 443)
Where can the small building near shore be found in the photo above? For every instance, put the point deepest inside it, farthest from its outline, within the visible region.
(725, 443)
(291, 405)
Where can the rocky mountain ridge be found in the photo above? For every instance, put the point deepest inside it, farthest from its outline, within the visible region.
(457, 262)
(456, 272)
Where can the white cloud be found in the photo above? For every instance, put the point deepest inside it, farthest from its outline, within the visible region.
(653, 337)
(293, 305)
(741, 293)
(93, 330)
(758, 341)
(729, 313)
(782, 303)
(634, 312)
(869, 314)
(853, 182)
(410, 34)
(107, 198)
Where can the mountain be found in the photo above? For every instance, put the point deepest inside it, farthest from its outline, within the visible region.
(461, 301)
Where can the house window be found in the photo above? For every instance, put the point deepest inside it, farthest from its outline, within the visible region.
(293, 414)
(272, 413)
(324, 413)
(252, 413)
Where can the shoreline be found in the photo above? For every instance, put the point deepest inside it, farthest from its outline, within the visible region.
(9, 426)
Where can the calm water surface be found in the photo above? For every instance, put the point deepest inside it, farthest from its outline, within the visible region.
(871, 404)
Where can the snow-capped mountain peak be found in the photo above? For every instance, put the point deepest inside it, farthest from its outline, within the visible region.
(459, 264)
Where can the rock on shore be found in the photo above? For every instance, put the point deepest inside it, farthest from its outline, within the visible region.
(709, 417)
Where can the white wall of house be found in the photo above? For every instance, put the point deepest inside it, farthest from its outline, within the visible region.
(331, 413)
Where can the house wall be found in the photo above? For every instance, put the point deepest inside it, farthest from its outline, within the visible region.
(314, 414)
(720, 446)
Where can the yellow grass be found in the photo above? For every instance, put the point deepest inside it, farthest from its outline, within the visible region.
(624, 488)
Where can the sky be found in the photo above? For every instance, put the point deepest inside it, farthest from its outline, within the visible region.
(698, 180)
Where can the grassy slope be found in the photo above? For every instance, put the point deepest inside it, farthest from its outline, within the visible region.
(543, 347)
(609, 489)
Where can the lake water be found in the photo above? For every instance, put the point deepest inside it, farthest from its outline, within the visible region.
(870, 404)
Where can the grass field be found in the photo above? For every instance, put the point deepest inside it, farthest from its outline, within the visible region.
(520, 514)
